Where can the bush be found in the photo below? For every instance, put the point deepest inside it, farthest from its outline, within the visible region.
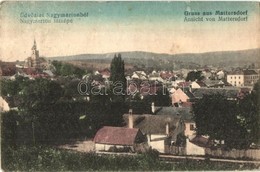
(43, 158)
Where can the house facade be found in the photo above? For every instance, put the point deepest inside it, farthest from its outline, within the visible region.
(242, 78)
(236, 78)
(250, 77)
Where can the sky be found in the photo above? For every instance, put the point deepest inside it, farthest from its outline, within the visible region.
(125, 26)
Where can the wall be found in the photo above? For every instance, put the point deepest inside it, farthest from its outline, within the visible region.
(188, 132)
(195, 85)
(192, 149)
(157, 142)
(106, 147)
(175, 150)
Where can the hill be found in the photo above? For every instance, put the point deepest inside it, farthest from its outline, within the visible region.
(225, 59)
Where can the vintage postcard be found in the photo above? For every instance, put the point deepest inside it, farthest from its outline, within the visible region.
(129, 85)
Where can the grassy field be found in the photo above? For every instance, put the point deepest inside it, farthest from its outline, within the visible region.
(42, 158)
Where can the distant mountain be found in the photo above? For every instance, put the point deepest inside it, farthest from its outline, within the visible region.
(190, 60)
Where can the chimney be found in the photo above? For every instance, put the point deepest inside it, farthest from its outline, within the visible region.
(130, 119)
(167, 129)
(153, 108)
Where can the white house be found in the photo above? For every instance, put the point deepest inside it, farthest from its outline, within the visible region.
(236, 78)
(220, 74)
(155, 77)
(139, 75)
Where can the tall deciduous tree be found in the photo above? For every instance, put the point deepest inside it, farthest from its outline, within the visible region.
(217, 117)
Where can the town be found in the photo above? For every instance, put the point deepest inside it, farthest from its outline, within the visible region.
(121, 109)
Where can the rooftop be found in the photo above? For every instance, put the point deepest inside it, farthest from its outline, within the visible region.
(153, 124)
(116, 135)
(229, 93)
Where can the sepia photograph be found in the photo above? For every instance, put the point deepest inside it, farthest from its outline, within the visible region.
(130, 85)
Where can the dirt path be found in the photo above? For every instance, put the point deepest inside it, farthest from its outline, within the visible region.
(81, 146)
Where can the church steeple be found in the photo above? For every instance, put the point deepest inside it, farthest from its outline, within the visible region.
(33, 60)
(34, 47)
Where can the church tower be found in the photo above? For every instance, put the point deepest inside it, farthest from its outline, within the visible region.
(35, 55)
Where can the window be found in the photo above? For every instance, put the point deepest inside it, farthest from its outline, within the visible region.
(234, 77)
(192, 127)
(231, 77)
(239, 77)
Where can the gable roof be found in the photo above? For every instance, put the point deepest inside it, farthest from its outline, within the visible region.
(154, 124)
(116, 135)
(185, 113)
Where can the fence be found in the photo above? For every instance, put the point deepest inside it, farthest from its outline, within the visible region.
(175, 150)
(236, 154)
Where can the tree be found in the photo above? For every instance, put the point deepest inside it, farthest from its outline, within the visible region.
(40, 92)
(194, 75)
(162, 97)
(249, 114)
(9, 128)
(217, 117)
(117, 90)
(117, 79)
(65, 69)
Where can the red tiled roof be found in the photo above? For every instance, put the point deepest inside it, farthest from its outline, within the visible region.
(7, 68)
(184, 84)
(116, 135)
(166, 75)
(29, 71)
